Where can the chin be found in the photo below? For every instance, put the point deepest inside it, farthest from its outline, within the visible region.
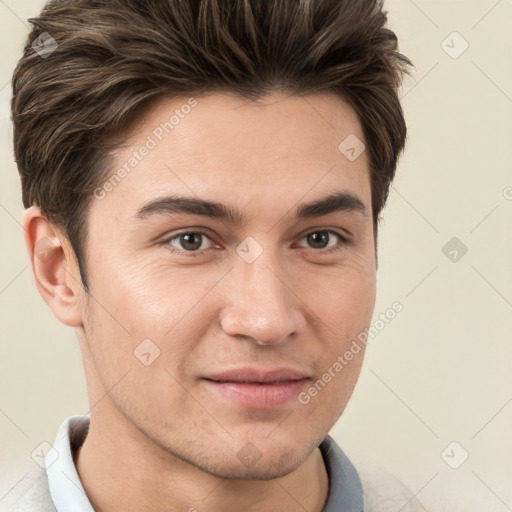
(267, 467)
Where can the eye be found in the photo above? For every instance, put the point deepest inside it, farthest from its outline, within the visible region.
(190, 241)
(325, 240)
(194, 242)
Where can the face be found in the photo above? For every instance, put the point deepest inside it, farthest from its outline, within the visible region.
(219, 292)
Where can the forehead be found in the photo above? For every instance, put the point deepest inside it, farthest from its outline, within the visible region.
(223, 148)
(277, 123)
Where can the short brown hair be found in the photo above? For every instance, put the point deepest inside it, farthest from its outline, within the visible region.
(109, 58)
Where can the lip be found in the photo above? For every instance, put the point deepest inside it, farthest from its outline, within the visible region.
(257, 389)
(254, 375)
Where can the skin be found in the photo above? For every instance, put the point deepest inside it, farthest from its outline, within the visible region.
(159, 438)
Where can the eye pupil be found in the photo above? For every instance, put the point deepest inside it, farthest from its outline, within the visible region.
(191, 241)
(318, 240)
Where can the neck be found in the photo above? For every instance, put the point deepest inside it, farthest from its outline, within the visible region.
(122, 470)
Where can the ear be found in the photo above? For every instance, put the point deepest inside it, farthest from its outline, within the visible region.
(54, 267)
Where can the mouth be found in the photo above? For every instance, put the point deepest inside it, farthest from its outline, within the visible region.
(272, 383)
(257, 389)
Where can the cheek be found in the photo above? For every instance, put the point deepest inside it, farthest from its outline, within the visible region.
(343, 303)
(134, 303)
(152, 296)
(343, 299)
(329, 394)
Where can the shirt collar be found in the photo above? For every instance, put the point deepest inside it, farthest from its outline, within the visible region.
(68, 494)
(66, 489)
(345, 489)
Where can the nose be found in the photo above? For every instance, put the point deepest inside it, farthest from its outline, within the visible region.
(260, 303)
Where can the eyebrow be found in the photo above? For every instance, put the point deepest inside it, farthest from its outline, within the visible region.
(336, 202)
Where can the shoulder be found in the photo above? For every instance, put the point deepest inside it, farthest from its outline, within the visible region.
(30, 494)
(383, 492)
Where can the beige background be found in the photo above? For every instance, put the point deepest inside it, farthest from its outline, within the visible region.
(441, 370)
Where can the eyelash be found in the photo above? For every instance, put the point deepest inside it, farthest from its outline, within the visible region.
(338, 247)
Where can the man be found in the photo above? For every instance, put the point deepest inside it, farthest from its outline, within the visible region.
(203, 183)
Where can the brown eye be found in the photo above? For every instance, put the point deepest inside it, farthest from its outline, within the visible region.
(189, 242)
(323, 239)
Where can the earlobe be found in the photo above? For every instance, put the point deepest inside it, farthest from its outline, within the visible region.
(54, 267)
